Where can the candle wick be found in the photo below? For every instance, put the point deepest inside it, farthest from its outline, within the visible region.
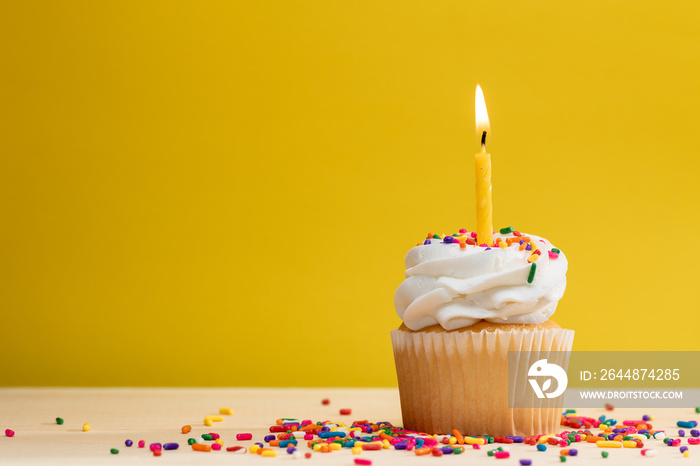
(483, 142)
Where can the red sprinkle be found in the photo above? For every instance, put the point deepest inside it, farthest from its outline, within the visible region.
(609, 407)
(346, 412)
(236, 448)
(325, 401)
(437, 452)
(307, 455)
(157, 452)
(9, 432)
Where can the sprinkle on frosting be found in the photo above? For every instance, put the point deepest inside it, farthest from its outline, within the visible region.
(465, 237)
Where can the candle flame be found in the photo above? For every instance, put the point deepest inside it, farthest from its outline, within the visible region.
(482, 116)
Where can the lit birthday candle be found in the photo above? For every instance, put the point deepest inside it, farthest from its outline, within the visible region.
(484, 213)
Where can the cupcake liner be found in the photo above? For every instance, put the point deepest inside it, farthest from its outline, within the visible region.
(459, 380)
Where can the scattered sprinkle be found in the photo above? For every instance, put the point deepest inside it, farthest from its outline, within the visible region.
(59, 421)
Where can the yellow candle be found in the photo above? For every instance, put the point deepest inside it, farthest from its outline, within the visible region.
(484, 213)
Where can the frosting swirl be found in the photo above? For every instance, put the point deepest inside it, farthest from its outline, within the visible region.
(456, 285)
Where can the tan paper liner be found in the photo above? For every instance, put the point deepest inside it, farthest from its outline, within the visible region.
(459, 380)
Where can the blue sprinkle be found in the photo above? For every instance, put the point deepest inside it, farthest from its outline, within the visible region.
(541, 447)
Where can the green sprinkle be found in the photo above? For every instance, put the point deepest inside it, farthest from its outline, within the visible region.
(489, 438)
(697, 410)
(562, 458)
(531, 277)
(604, 454)
(191, 441)
(457, 450)
(456, 235)
(490, 452)
(59, 421)
(505, 231)
(436, 237)
(114, 451)
(207, 437)
(556, 251)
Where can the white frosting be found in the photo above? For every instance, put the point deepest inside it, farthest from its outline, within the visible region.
(457, 287)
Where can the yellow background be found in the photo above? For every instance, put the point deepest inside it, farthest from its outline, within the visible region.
(222, 193)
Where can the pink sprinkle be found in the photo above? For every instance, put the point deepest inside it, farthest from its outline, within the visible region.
(502, 454)
(473, 235)
(362, 461)
(142, 443)
(244, 436)
(9, 432)
(553, 255)
(216, 446)
(484, 245)
(463, 230)
(476, 446)
(311, 437)
(562, 443)
(214, 436)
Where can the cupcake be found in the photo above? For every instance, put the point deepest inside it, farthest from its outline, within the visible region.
(464, 308)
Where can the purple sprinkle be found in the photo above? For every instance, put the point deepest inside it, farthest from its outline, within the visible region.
(646, 417)
(400, 446)
(612, 436)
(446, 450)
(291, 450)
(268, 438)
(487, 249)
(325, 429)
(573, 452)
(171, 446)
(695, 433)
(683, 448)
(516, 439)
(528, 247)
(128, 443)
(449, 239)
(427, 241)
(259, 444)
(526, 462)
(681, 433)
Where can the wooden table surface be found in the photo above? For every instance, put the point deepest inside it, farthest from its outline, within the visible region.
(157, 414)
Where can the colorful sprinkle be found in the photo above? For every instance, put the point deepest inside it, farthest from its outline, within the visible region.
(505, 231)
(531, 275)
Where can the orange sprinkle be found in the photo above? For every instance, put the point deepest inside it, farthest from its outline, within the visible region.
(186, 429)
(201, 447)
(422, 451)
(458, 435)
